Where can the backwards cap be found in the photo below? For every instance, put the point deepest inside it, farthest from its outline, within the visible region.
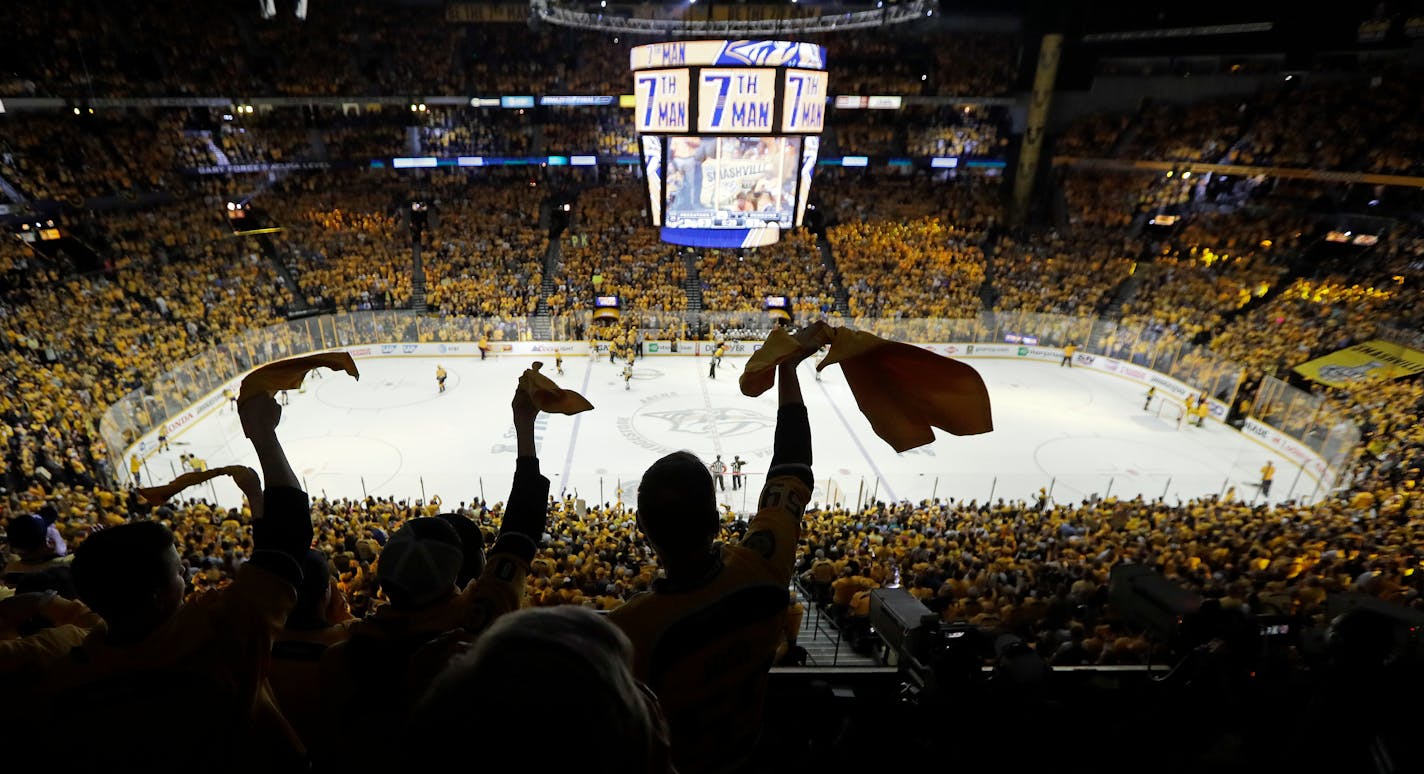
(420, 563)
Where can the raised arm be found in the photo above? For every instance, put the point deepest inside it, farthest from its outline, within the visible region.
(528, 506)
(260, 415)
(284, 531)
(791, 449)
(500, 587)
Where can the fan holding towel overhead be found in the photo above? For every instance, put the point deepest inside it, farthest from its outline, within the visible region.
(549, 397)
(903, 390)
(288, 374)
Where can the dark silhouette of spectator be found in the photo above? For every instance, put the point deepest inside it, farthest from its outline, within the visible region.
(153, 654)
(517, 665)
(472, 545)
(707, 633)
(391, 656)
(319, 620)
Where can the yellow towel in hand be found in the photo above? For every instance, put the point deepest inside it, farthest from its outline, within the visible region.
(759, 373)
(157, 495)
(549, 397)
(288, 374)
(903, 390)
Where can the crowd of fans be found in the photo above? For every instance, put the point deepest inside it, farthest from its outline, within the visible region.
(1213, 266)
(741, 280)
(1202, 131)
(172, 282)
(601, 131)
(488, 252)
(271, 143)
(1278, 139)
(922, 268)
(1104, 199)
(609, 251)
(973, 203)
(162, 49)
(75, 158)
(343, 243)
(1335, 121)
(1307, 318)
(466, 132)
(1075, 272)
(865, 134)
(346, 240)
(965, 132)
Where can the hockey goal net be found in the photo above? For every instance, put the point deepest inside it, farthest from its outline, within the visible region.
(1168, 409)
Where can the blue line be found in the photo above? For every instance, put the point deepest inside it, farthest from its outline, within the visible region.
(578, 419)
(878, 475)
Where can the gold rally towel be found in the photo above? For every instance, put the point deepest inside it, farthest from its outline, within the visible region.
(288, 374)
(157, 495)
(759, 374)
(549, 397)
(903, 390)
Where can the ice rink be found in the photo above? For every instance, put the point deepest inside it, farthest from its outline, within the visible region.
(1073, 431)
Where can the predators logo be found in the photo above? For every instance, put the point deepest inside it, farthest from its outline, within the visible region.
(667, 422)
(726, 422)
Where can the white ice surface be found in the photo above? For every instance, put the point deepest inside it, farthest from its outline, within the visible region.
(1075, 431)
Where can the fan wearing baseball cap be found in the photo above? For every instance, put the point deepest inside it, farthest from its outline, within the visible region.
(390, 658)
(37, 543)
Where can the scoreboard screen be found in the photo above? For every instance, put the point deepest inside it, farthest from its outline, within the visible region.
(732, 183)
(729, 133)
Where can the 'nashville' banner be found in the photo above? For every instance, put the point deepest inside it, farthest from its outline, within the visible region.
(1374, 359)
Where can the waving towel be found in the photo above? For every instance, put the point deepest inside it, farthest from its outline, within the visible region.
(288, 374)
(759, 374)
(157, 495)
(550, 397)
(903, 390)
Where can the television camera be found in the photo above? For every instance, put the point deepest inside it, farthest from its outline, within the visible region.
(940, 656)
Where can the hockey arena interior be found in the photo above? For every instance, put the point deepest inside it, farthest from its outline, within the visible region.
(705, 386)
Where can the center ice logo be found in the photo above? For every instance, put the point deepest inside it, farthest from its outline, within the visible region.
(726, 422)
(663, 423)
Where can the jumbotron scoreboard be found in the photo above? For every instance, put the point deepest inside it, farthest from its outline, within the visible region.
(729, 132)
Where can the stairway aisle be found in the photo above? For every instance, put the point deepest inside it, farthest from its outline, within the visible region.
(823, 643)
(828, 257)
(693, 284)
(543, 322)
